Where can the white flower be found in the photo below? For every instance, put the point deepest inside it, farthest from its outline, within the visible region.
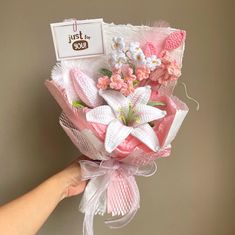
(127, 116)
(134, 48)
(153, 62)
(118, 44)
(139, 58)
(117, 59)
(137, 55)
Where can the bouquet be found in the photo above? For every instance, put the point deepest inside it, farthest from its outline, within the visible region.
(119, 111)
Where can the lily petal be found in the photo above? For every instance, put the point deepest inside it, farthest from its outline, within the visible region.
(146, 135)
(85, 88)
(102, 114)
(148, 113)
(141, 95)
(115, 100)
(115, 134)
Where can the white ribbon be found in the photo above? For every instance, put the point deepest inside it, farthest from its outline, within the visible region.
(112, 188)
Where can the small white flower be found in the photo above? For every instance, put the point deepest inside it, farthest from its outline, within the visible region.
(117, 59)
(153, 62)
(139, 58)
(118, 44)
(134, 48)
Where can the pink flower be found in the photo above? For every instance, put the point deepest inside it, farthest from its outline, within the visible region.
(116, 82)
(142, 73)
(127, 88)
(174, 70)
(116, 71)
(103, 82)
(169, 70)
(129, 77)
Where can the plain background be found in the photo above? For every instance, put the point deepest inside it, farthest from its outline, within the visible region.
(193, 191)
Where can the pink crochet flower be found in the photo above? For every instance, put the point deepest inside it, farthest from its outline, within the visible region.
(116, 82)
(103, 82)
(129, 76)
(127, 88)
(169, 70)
(142, 73)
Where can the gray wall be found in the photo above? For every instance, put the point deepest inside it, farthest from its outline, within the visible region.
(193, 191)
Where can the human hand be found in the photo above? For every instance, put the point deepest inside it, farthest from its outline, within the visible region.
(70, 179)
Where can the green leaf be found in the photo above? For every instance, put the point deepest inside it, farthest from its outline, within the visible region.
(106, 72)
(78, 104)
(136, 82)
(156, 103)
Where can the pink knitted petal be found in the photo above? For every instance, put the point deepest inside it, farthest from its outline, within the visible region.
(75, 115)
(149, 49)
(86, 88)
(174, 40)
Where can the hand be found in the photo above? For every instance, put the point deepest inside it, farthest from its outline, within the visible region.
(71, 180)
(40, 202)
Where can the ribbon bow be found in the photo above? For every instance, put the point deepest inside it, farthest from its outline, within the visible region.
(113, 189)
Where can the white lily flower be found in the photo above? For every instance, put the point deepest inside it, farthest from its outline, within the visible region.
(118, 44)
(127, 116)
(153, 62)
(117, 59)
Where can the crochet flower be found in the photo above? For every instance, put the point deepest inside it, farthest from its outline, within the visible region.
(139, 58)
(127, 88)
(153, 62)
(169, 70)
(117, 59)
(126, 116)
(118, 44)
(116, 82)
(103, 82)
(134, 47)
(142, 73)
(128, 74)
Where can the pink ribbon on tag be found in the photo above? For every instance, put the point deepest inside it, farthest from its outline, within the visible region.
(112, 188)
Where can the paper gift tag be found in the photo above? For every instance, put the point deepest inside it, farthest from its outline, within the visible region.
(78, 38)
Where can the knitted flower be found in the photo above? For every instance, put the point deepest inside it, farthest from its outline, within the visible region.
(116, 82)
(127, 116)
(118, 44)
(167, 71)
(153, 62)
(128, 74)
(142, 73)
(117, 59)
(103, 82)
(127, 88)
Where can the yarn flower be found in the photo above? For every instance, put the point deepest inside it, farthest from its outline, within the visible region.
(126, 116)
(134, 47)
(142, 73)
(127, 88)
(117, 59)
(118, 44)
(169, 70)
(103, 82)
(153, 62)
(116, 82)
